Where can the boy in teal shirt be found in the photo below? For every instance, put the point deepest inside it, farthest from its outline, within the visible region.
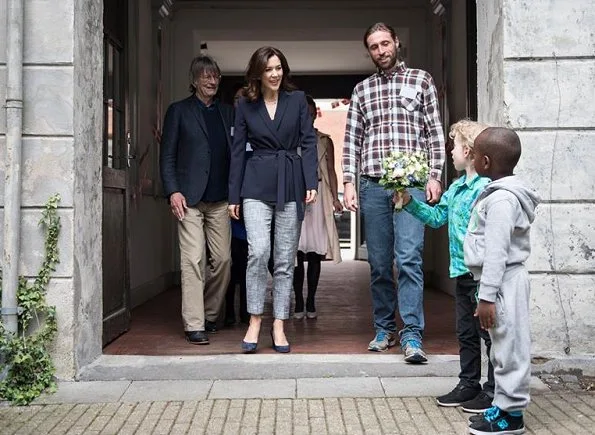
(455, 208)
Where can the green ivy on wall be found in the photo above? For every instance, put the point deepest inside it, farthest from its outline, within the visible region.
(27, 362)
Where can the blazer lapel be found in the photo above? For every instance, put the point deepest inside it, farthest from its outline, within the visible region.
(281, 106)
(264, 114)
(198, 114)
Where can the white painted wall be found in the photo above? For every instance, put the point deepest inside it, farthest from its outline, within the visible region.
(152, 227)
(296, 21)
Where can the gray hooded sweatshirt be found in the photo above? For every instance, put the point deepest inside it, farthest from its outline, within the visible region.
(500, 221)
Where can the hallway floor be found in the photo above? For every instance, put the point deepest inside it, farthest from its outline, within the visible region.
(344, 325)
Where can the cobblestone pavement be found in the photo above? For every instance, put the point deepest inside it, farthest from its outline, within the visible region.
(552, 413)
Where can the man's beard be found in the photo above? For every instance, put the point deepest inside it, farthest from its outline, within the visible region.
(390, 65)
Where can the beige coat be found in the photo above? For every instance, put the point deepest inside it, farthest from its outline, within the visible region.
(334, 249)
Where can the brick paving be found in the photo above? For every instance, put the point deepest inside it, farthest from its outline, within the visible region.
(551, 413)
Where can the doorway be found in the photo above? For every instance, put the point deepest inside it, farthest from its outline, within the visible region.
(323, 44)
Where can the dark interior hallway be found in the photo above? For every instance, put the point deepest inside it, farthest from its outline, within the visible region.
(344, 325)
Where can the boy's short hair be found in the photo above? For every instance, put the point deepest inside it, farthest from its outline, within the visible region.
(468, 130)
(502, 145)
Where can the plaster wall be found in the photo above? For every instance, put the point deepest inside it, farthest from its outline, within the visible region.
(536, 75)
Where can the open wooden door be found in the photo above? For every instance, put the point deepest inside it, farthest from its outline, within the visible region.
(116, 161)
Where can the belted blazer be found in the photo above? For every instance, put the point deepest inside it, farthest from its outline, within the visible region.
(274, 171)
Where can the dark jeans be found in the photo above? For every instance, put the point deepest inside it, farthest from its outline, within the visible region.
(239, 262)
(469, 334)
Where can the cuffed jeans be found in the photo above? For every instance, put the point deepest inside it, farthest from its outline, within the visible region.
(258, 216)
(469, 334)
(393, 236)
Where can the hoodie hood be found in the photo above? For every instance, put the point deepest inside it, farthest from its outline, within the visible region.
(527, 196)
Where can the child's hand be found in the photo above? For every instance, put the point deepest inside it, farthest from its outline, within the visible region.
(406, 197)
(486, 311)
(403, 196)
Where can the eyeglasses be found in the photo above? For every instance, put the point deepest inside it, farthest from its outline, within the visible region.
(210, 77)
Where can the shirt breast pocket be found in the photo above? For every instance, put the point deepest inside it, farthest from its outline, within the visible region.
(411, 104)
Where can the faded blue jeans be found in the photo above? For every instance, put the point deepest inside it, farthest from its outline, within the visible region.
(393, 236)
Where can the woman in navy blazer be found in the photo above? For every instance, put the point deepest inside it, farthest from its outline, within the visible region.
(274, 181)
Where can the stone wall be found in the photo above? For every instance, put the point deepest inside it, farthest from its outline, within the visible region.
(537, 75)
(62, 154)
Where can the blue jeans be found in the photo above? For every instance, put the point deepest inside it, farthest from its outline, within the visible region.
(393, 236)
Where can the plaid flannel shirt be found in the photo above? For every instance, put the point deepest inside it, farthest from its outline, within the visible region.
(396, 112)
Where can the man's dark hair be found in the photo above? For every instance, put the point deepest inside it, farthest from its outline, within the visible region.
(200, 65)
(376, 28)
(502, 145)
(257, 65)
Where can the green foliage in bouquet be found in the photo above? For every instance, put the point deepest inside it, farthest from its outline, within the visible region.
(27, 362)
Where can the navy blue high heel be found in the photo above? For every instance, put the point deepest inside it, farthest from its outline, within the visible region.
(249, 347)
(280, 349)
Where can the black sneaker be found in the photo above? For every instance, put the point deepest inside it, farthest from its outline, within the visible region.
(475, 419)
(457, 396)
(211, 327)
(496, 421)
(479, 404)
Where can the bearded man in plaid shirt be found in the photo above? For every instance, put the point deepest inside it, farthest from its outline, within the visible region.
(395, 109)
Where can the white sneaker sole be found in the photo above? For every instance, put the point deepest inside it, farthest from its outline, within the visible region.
(504, 432)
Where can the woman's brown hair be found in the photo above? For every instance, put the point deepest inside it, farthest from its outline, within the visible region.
(257, 65)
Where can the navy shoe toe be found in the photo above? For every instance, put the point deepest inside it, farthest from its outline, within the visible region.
(249, 347)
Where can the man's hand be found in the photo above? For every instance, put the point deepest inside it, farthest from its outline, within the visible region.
(486, 311)
(433, 191)
(350, 197)
(178, 205)
(234, 211)
(310, 196)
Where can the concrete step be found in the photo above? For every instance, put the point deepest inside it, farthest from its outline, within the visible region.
(301, 388)
(266, 366)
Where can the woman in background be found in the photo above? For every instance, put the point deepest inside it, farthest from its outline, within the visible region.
(319, 238)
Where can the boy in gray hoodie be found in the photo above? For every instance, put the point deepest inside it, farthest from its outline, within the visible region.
(496, 248)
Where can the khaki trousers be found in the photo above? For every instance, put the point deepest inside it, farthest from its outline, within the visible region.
(205, 225)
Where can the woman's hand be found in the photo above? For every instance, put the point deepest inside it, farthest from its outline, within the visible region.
(310, 196)
(337, 206)
(234, 211)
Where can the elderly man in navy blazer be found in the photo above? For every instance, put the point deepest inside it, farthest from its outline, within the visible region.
(195, 169)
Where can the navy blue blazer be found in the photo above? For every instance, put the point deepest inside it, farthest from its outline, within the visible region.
(274, 171)
(185, 158)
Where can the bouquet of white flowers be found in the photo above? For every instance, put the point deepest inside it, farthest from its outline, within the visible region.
(401, 170)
